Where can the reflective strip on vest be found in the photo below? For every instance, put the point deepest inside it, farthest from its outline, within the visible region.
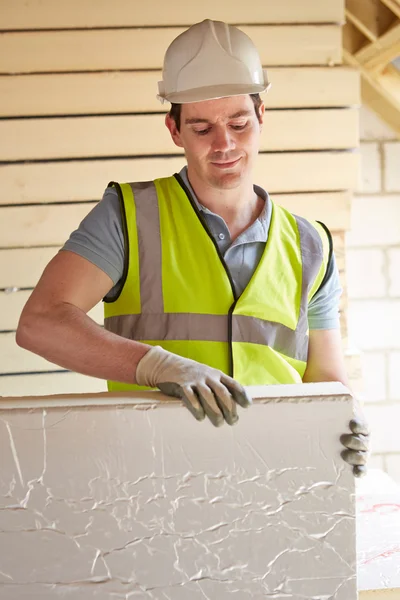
(153, 324)
(149, 239)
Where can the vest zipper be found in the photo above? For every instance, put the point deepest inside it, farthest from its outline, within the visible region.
(236, 297)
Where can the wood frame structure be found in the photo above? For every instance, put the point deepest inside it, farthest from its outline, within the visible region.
(371, 42)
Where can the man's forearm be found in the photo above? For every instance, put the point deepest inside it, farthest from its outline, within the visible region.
(67, 337)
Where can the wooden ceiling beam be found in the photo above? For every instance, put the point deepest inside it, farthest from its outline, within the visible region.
(381, 94)
(371, 41)
(352, 18)
(386, 48)
(394, 6)
(373, 16)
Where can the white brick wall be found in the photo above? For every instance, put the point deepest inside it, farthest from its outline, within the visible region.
(384, 421)
(370, 174)
(394, 271)
(394, 378)
(373, 279)
(373, 365)
(373, 128)
(375, 221)
(360, 261)
(391, 173)
(374, 324)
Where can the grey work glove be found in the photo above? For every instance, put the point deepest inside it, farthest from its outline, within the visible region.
(204, 390)
(357, 446)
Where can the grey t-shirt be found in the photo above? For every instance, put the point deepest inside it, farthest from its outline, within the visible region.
(100, 240)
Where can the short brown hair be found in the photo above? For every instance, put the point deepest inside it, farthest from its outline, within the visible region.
(175, 110)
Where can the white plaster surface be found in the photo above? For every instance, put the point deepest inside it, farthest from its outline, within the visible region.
(141, 501)
(378, 533)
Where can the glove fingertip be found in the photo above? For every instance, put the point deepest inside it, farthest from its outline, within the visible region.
(360, 470)
(239, 394)
(358, 426)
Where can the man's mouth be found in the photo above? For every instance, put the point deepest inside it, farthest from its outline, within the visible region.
(225, 164)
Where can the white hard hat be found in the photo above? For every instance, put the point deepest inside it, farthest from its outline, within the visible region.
(211, 60)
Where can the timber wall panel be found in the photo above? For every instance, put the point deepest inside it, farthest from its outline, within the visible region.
(85, 74)
(122, 49)
(49, 383)
(50, 225)
(39, 225)
(47, 14)
(82, 180)
(12, 303)
(22, 267)
(35, 139)
(135, 92)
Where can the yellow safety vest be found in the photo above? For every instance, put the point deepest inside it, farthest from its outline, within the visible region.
(178, 293)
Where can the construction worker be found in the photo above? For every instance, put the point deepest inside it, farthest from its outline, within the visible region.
(207, 284)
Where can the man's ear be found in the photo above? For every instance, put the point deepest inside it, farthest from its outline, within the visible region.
(172, 128)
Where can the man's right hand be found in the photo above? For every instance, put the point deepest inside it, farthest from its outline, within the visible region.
(204, 390)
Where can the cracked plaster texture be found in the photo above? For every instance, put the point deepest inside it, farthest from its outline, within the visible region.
(138, 500)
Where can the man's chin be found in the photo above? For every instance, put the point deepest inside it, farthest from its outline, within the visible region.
(228, 180)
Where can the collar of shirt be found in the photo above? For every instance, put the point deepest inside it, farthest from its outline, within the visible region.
(258, 231)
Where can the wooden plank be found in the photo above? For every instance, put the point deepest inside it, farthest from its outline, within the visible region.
(50, 383)
(394, 6)
(133, 92)
(356, 22)
(80, 137)
(11, 305)
(22, 267)
(50, 225)
(374, 15)
(332, 208)
(380, 98)
(339, 247)
(353, 39)
(40, 225)
(17, 360)
(47, 14)
(353, 365)
(65, 382)
(122, 49)
(386, 48)
(86, 180)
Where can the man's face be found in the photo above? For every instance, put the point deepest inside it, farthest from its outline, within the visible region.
(220, 138)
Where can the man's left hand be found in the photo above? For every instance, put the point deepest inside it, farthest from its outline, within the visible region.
(357, 446)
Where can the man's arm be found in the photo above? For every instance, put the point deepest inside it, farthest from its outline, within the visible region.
(55, 325)
(325, 357)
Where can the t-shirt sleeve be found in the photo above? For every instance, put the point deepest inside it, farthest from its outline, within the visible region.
(99, 237)
(323, 308)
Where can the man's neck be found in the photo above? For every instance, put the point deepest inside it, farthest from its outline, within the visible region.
(239, 207)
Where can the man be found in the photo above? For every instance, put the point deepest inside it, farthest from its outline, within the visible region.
(208, 286)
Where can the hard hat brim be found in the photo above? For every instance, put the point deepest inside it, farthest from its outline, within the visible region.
(213, 92)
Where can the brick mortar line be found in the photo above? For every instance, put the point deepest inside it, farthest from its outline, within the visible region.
(381, 404)
(381, 154)
(385, 272)
(384, 463)
(382, 350)
(387, 376)
(378, 140)
(377, 194)
(389, 299)
(389, 453)
(375, 247)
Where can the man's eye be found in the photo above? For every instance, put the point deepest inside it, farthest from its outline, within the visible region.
(239, 127)
(202, 131)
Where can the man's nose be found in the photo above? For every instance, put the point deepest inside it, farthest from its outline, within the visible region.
(223, 141)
